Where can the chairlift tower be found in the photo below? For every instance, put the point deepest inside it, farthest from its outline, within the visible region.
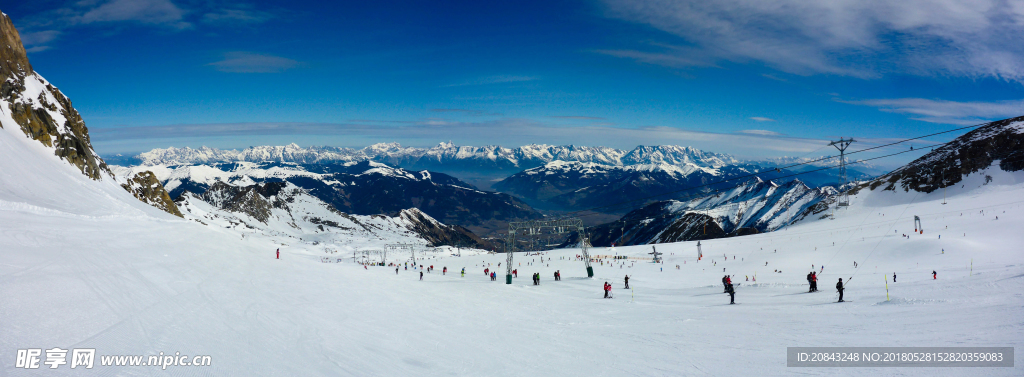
(537, 227)
(841, 145)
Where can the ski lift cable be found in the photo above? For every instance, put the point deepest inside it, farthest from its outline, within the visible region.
(925, 148)
(723, 189)
(772, 238)
(579, 213)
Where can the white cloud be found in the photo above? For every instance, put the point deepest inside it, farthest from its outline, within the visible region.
(762, 119)
(947, 112)
(161, 12)
(859, 38)
(236, 16)
(39, 37)
(493, 80)
(248, 62)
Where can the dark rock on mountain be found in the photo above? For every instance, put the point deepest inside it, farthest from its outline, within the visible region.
(145, 187)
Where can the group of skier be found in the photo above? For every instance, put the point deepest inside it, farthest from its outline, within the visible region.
(812, 280)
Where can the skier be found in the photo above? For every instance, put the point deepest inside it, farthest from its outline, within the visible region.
(444, 271)
(396, 270)
(278, 253)
(840, 288)
(627, 281)
(493, 276)
(814, 281)
(556, 275)
(809, 283)
(487, 271)
(515, 272)
(607, 289)
(732, 293)
(935, 275)
(893, 277)
(463, 272)
(725, 285)
(421, 275)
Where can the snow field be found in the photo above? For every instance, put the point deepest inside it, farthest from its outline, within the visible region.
(85, 265)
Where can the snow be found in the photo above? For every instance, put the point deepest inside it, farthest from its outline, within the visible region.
(85, 265)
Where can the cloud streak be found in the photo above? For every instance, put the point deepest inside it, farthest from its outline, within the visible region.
(946, 112)
(489, 80)
(866, 39)
(248, 62)
(40, 30)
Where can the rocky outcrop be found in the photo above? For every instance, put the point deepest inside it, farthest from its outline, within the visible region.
(247, 200)
(145, 187)
(40, 109)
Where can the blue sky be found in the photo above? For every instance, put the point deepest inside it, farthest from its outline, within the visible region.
(748, 77)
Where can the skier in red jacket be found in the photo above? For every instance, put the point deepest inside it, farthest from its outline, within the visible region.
(278, 253)
(607, 289)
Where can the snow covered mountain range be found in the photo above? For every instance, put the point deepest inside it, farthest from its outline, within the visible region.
(440, 157)
(363, 188)
(581, 185)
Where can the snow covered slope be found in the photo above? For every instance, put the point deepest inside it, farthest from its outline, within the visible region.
(141, 285)
(999, 143)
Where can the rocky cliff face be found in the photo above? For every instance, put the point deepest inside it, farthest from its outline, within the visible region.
(40, 109)
(147, 188)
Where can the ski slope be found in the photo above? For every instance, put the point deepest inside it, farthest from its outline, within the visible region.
(87, 266)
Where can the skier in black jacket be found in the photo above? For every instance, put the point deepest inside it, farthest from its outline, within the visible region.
(627, 281)
(732, 293)
(840, 288)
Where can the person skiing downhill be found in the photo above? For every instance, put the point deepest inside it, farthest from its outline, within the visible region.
(935, 275)
(421, 275)
(278, 253)
(463, 272)
(396, 270)
(840, 288)
(893, 277)
(814, 281)
(627, 281)
(732, 293)
(607, 289)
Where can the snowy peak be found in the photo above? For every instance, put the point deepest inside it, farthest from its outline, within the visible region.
(446, 153)
(40, 110)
